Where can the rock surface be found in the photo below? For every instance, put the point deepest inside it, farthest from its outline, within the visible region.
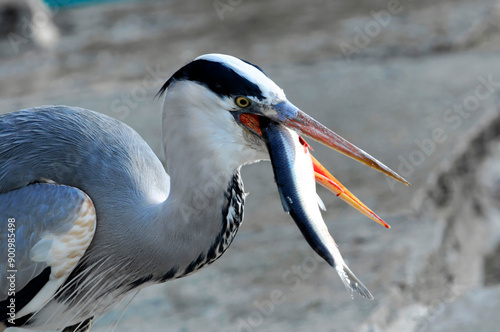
(416, 84)
(24, 24)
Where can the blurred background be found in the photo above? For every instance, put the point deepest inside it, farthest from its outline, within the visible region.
(414, 83)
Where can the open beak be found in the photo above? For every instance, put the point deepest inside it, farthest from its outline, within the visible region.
(292, 117)
(328, 181)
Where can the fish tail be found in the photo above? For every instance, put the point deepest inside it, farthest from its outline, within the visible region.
(351, 282)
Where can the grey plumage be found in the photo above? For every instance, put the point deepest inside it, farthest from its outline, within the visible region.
(97, 216)
(57, 210)
(80, 148)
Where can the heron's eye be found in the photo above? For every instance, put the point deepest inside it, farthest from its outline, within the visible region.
(242, 102)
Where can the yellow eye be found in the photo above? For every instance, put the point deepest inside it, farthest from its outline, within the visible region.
(242, 102)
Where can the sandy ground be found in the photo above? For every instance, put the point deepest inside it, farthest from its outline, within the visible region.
(386, 75)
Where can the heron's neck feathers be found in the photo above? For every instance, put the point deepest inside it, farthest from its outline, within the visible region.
(205, 204)
(201, 138)
(193, 231)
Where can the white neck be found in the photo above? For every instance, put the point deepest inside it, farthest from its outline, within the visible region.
(204, 148)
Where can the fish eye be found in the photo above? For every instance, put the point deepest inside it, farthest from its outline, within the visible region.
(242, 101)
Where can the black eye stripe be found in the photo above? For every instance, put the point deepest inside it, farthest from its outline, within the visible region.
(219, 78)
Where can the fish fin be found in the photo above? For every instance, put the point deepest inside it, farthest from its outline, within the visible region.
(351, 282)
(320, 203)
(285, 201)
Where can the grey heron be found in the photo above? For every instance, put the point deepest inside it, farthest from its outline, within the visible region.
(89, 214)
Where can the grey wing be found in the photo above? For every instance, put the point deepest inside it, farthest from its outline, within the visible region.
(44, 231)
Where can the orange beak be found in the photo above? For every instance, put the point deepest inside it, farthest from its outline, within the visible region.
(304, 124)
(292, 117)
(327, 180)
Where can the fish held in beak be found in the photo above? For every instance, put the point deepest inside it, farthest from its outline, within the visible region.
(292, 117)
(295, 176)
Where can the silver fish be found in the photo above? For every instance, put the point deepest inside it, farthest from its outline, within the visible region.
(295, 176)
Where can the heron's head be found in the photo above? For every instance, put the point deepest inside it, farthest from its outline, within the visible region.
(221, 99)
